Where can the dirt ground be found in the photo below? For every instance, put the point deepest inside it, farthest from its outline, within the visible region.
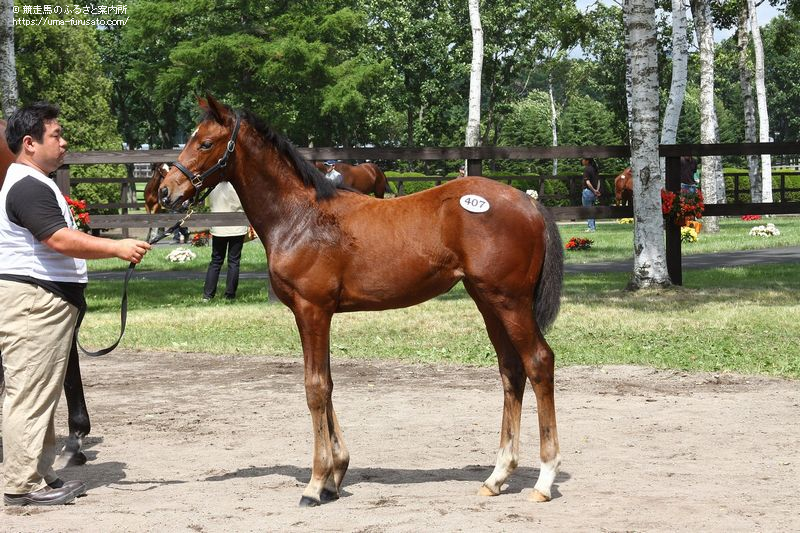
(196, 442)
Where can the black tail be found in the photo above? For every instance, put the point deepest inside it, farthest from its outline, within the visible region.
(547, 300)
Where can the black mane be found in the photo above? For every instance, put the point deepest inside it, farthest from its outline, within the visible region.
(310, 175)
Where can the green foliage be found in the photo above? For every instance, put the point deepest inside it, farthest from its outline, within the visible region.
(375, 72)
(61, 64)
(782, 57)
(791, 181)
(605, 74)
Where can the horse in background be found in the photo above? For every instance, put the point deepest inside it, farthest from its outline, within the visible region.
(367, 178)
(623, 188)
(77, 413)
(151, 204)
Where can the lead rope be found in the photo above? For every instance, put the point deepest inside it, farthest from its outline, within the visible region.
(123, 315)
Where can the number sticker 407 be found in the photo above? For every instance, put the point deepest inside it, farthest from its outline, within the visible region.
(474, 203)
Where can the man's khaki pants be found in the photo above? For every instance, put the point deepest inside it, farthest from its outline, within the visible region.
(36, 329)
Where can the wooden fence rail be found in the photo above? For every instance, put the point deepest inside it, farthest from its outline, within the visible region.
(474, 157)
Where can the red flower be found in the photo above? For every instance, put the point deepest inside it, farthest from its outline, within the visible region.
(79, 213)
(579, 243)
(201, 238)
(678, 208)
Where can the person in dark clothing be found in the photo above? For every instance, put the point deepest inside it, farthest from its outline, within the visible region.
(688, 169)
(591, 187)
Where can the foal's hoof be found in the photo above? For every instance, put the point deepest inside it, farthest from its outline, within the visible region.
(307, 501)
(76, 459)
(486, 491)
(538, 497)
(328, 496)
(324, 497)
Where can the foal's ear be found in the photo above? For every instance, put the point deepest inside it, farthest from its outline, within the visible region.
(216, 109)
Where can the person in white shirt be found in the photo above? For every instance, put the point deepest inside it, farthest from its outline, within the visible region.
(332, 174)
(224, 240)
(42, 280)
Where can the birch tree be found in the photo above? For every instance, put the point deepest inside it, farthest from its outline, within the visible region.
(553, 119)
(761, 99)
(746, 85)
(677, 90)
(649, 252)
(713, 184)
(474, 117)
(8, 68)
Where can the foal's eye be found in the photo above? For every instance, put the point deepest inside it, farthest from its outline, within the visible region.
(205, 145)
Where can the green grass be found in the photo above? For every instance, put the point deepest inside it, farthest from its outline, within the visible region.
(737, 319)
(614, 242)
(740, 320)
(253, 260)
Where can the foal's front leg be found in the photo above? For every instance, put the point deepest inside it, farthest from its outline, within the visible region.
(341, 457)
(314, 325)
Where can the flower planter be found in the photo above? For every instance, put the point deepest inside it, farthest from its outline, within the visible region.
(694, 224)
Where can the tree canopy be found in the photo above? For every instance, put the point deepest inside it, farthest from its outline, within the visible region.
(373, 72)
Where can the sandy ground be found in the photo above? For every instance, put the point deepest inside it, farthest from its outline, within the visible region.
(196, 442)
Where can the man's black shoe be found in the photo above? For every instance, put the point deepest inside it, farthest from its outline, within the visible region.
(68, 491)
(79, 487)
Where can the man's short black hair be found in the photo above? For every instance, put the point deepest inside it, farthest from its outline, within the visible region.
(29, 120)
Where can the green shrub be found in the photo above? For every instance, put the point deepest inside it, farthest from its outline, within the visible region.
(791, 181)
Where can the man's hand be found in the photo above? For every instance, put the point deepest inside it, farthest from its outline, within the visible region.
(75, 243)
(132, 250)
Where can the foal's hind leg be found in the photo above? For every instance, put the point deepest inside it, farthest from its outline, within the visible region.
(513, 377)
(538, 361)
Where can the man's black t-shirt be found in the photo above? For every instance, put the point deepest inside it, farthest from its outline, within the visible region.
(33, 205)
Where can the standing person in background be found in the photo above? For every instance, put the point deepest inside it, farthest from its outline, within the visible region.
(591, 187)
(224, 239)
(688, 169)
(332, 174)
(42, 281)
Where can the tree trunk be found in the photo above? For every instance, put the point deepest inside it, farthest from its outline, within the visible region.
(474, 117)
(649, 252)
(761, 99)
(628, 89)
(746, 84)
(8, 65)
(553, 120)
(712, 181)
(677, 90)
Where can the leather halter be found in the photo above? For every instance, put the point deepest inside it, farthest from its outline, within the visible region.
(198, 178)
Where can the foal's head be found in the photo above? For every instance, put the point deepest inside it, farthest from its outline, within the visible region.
(204, 157)
(216, 142)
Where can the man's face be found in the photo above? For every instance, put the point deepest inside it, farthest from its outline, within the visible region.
(49, 154)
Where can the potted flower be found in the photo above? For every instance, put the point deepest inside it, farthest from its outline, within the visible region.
(688, 234)
(79, 213)
(201, 238)
(579, 243)
(683, 207)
